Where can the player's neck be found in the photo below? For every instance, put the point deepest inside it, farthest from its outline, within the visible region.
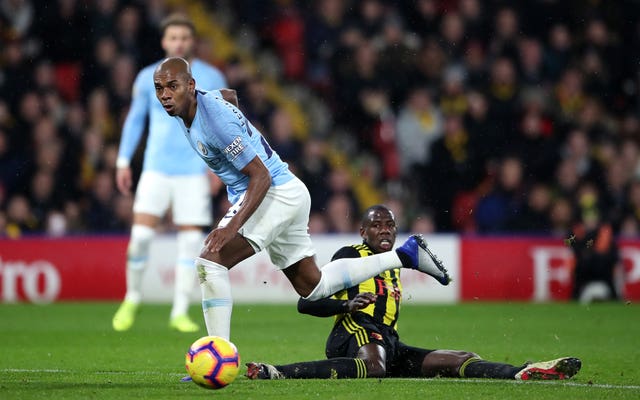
(191, 112)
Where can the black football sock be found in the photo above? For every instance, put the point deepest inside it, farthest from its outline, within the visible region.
(322, 369)
(488, 369)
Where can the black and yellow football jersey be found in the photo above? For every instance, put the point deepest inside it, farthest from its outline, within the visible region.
(386, 286)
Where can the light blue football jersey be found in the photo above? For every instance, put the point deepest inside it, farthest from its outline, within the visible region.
(227, 142)
(166, 150)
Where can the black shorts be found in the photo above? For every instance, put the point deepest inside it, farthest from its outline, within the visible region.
(357, 330)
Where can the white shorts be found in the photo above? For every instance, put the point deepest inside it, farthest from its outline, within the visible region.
(188, 195)
(280, 224)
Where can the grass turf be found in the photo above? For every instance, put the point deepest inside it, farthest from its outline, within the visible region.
(69, 351)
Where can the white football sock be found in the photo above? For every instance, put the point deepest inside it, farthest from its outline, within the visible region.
(137, 257)
(216, 297)
(189, 245)
(344, 273)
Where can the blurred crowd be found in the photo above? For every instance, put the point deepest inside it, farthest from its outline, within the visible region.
(470, 116)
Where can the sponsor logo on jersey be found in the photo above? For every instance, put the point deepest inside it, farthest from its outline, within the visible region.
(202, 149)
(235, 148)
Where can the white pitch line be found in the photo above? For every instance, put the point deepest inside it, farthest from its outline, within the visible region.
(432, 380)
(513, 382)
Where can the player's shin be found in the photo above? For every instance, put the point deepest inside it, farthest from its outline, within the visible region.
(137, 257)
(189, 244)
(335, 368)
(216, 297)
(478, 368)
(344, 273)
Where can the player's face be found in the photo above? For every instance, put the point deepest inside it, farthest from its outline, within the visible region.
(178, 41)
(380, 231)
(174, 92)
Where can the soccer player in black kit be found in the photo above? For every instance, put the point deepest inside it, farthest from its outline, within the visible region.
(364, 342)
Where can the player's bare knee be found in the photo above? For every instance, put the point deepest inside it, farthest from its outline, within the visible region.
(375, 368)
(466, 355)
(140, 241)
(446, 363)
(304, 292)
(205, 253)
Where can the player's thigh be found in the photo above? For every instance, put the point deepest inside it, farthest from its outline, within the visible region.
(293, 243)
(351, 334)
(341, 343)
(304, 275)
(153, 194)
(445, 363)
(191, 200)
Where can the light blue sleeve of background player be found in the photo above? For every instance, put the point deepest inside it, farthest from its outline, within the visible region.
(136, 119)
(167, 151)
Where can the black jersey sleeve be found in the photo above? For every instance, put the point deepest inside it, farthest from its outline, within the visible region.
(328, 307)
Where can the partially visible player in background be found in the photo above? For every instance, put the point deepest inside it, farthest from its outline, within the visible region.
(364, 342)
(172, 176)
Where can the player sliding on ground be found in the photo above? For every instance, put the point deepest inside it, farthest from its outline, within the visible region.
(270, 208)
(364, 342)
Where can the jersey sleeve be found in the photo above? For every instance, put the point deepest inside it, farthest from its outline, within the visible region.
(326, 307)
(232, 132)
(213, 79)
(134, 123)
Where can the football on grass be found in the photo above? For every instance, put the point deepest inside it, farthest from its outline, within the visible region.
(212, 362)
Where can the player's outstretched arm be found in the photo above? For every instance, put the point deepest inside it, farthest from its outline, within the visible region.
(328, 307)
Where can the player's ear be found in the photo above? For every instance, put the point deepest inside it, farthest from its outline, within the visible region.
(192, 85)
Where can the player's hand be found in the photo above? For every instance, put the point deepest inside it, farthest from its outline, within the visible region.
(124, 180)
(218, 237)
(361, 301)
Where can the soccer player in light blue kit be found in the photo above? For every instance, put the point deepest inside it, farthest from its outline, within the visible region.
(270, 208)
(172, 176)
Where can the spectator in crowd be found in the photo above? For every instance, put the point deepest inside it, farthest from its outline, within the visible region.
(454, 167)
(499, 209)
(583, 75)
(282, 138)
(419, 124)
(561, 217)
(314, 168)
(20, 219)
(595, 251)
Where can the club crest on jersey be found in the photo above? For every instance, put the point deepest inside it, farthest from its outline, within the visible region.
(235, 148)
(202, 149)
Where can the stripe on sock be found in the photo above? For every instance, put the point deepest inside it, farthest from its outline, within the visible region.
(346, 278)
(466, 363)
(210, 303)
(361, 368)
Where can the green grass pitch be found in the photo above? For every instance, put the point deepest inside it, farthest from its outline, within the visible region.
(69, 351)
